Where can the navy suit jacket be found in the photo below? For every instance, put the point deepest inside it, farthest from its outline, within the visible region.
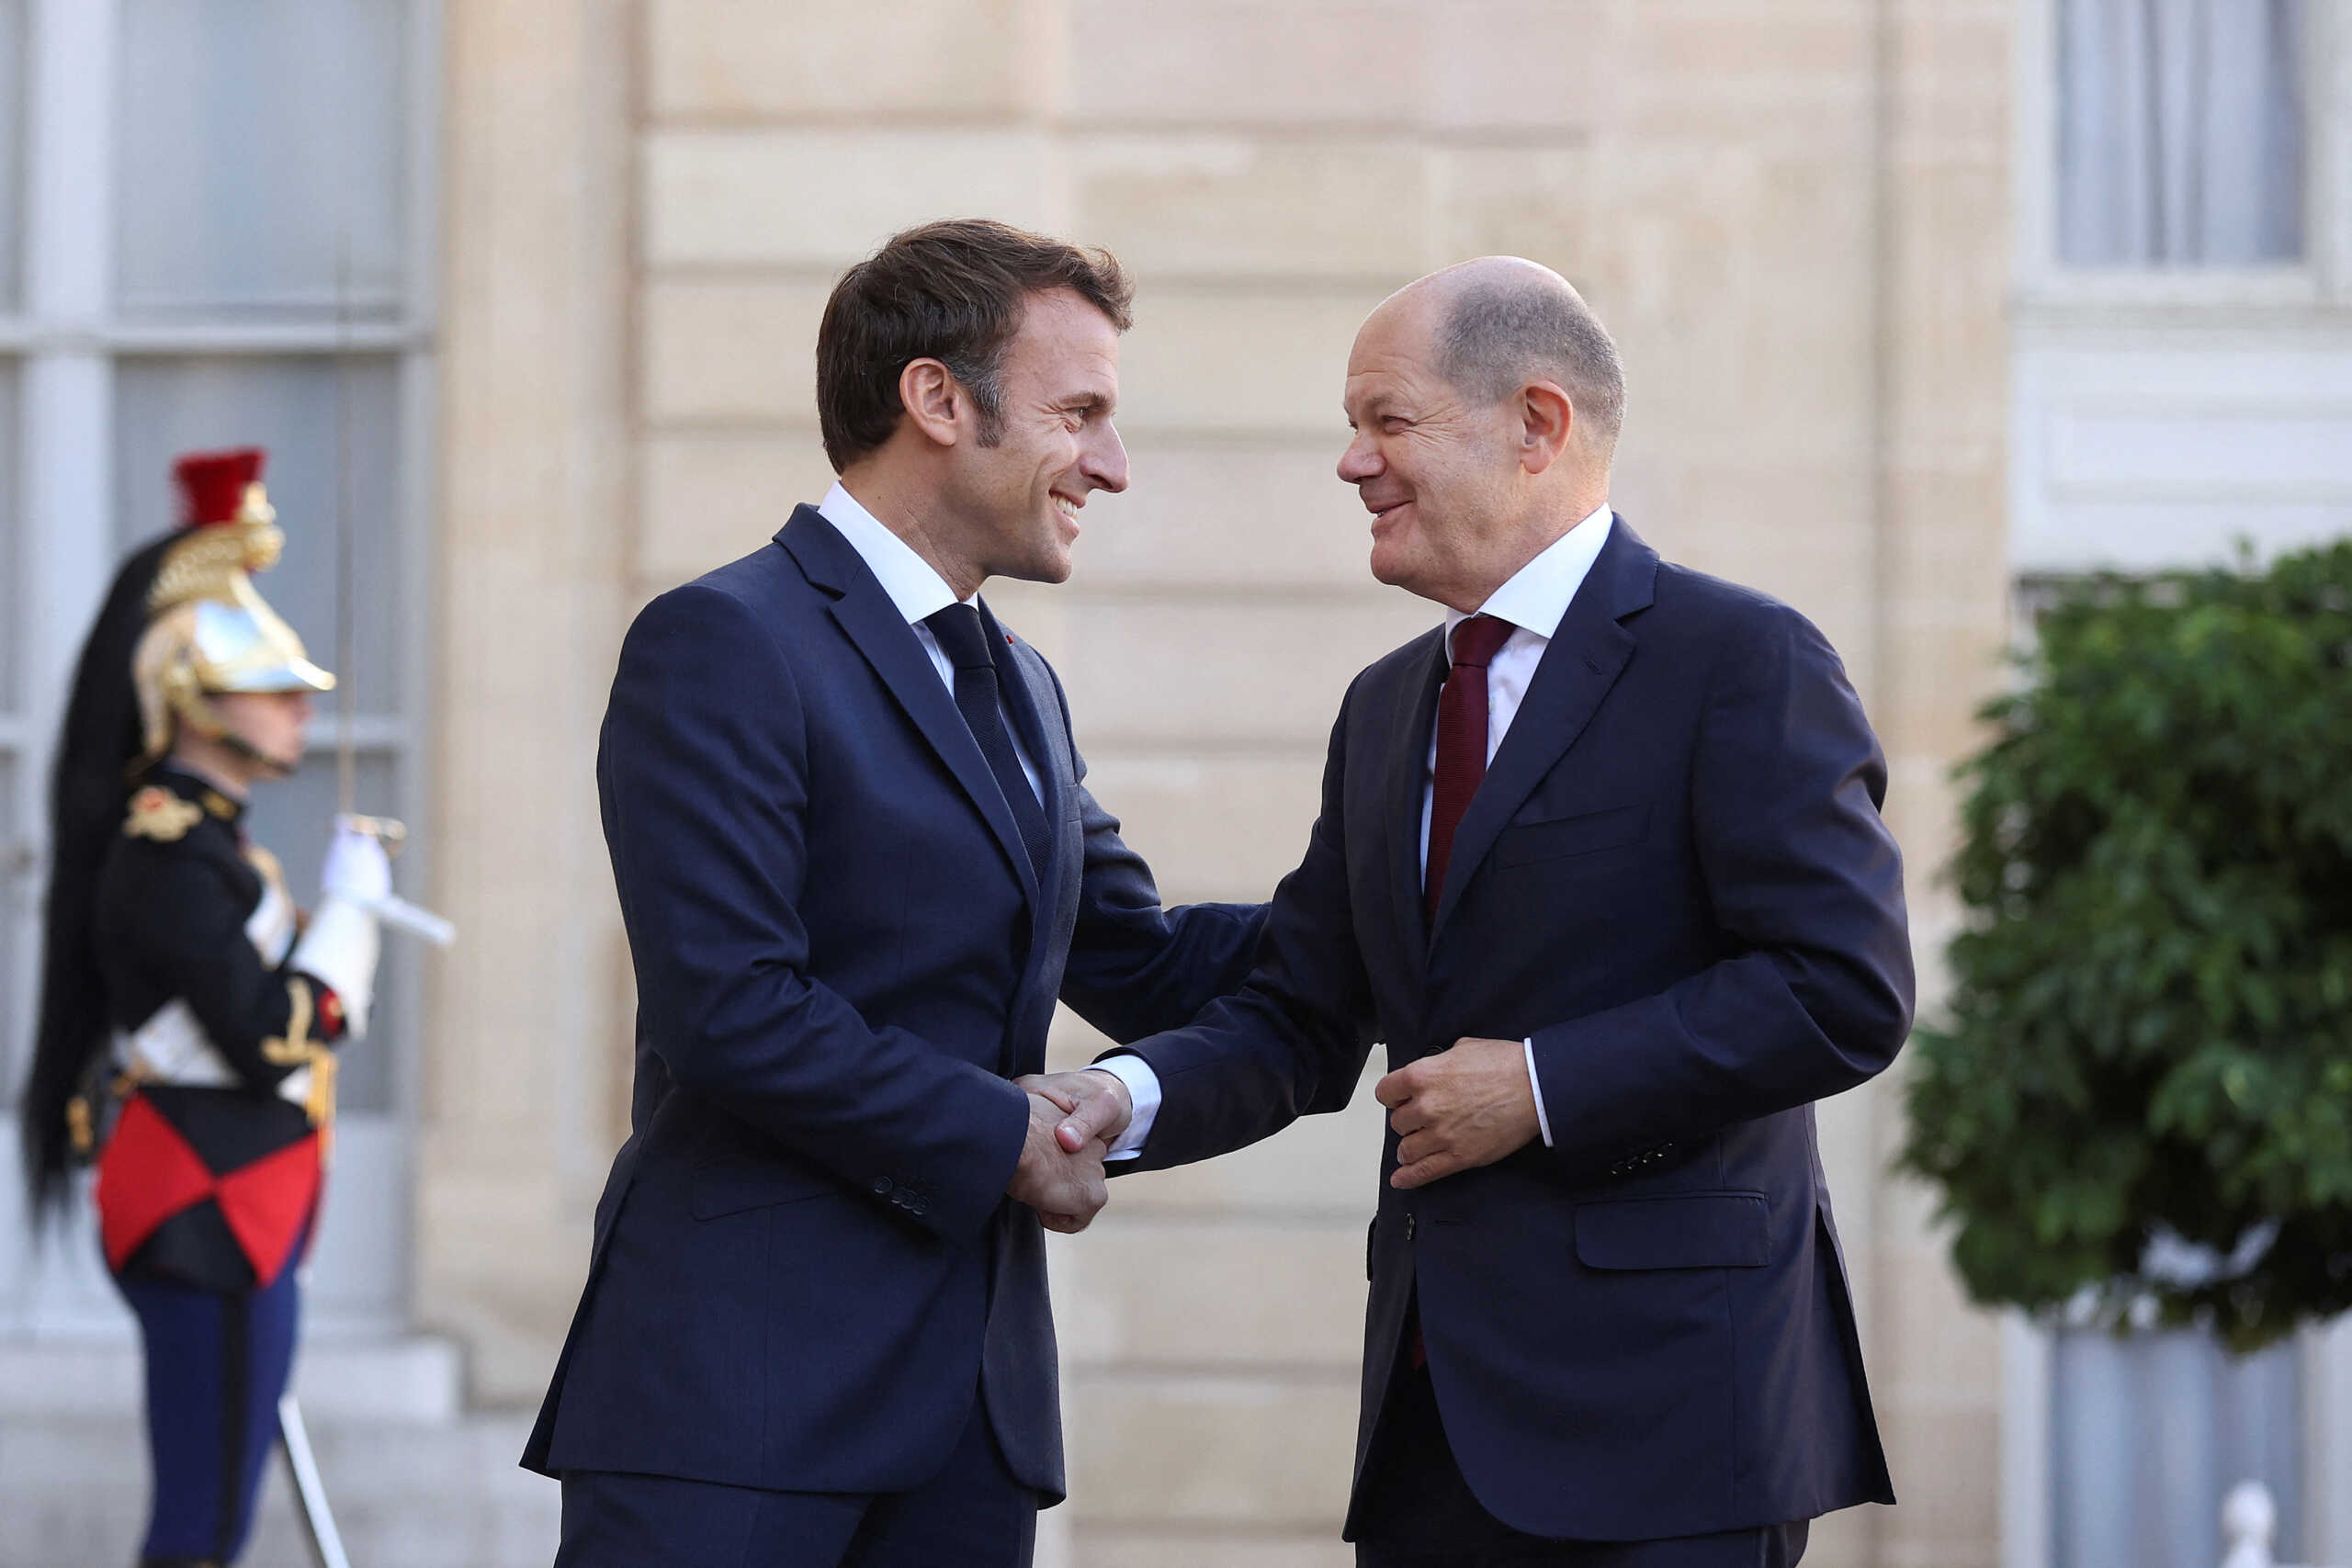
(1675, 881)
(804, 1266)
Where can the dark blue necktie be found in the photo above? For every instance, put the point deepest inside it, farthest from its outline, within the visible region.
(966, 642)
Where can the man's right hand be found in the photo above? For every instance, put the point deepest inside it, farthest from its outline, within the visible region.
(1097, 1101)
(1067, 1190)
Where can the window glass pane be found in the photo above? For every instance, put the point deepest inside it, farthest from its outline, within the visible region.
(2149, 1432)
(165, 407)
(2181, 132)
(262, 154)
(12, 142)
(292, 817)
(11, 546)
(19, 903)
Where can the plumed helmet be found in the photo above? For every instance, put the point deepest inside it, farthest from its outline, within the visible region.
(209, 631)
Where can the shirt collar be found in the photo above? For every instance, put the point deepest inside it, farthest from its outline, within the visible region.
(917, 590)
(1537, 596)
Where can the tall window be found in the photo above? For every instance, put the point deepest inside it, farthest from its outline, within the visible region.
(2181, 132)
(222, 243)
(2149, 1432)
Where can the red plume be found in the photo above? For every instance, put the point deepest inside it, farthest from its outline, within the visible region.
(212, 484)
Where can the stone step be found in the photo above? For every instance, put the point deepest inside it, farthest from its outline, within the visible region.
(405, 1493)
(368, 1378)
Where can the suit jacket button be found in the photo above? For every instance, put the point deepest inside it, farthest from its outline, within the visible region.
(1408, 1226)
(881, 1187)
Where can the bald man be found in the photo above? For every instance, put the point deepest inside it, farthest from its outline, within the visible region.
(1600, 859)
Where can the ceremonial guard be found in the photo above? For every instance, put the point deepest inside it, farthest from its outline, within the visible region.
(189, 1011)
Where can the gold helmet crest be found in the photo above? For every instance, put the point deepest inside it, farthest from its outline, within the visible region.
(210, 632)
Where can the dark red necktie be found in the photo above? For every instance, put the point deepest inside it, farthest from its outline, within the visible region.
(1461, 763)
(1461, 744)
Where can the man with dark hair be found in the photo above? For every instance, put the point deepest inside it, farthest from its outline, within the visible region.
(857, 864)
(1600, 859)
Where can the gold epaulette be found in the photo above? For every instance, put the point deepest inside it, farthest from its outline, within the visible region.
(156, 813)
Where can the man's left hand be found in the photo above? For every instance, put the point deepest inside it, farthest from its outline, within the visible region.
(1463, 1108)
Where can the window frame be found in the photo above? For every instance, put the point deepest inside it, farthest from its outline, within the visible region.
(2324, 275)
(67, 336)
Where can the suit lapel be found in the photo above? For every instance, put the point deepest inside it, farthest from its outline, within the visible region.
(1586, 654)
(874, 625)
(1038, 713)
(1405, 786)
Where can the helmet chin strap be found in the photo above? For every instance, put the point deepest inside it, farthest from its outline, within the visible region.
(271, 767)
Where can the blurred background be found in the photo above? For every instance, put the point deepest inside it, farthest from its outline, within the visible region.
(1926, 305)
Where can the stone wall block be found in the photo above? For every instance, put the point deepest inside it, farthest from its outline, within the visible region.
(1228, 1293)
(1228, 515)
(1217, 826)
(1731, 282)
(1787, 75)
(1515, 66)
(1936, 1345)
(1246, 62)
(1241, 361)
(1537, 202)
(749, 59)
(1947, 1466)
(730, 350)
(1222, 686)
(1950, 302)
(706, 498)
(822, 198)
(1318, 1169)
(1800, 531)
(1210, 205)
(1191, 1449)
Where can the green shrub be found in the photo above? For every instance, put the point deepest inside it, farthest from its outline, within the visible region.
(2150, 1032)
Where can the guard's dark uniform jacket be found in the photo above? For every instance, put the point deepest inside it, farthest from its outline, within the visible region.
(211, 1174)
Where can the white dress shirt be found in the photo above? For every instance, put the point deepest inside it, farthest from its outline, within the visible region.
(917, 590)
(1533, 602)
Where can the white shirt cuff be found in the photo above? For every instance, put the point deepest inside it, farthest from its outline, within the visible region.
(1543, 1122)
(1143, 1089)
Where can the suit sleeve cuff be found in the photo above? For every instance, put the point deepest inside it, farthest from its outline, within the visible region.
(1534, 1081)
(1143, 1089)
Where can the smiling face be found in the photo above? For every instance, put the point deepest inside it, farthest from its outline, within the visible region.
(1016, 500)
(1439, 472)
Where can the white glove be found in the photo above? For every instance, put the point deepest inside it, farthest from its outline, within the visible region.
(357, 868)
(341, 945)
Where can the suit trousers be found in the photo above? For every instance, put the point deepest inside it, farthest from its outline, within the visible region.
(972, 1513)
(1418, 1511)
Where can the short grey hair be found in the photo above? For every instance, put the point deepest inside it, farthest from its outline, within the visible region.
(1501, 333)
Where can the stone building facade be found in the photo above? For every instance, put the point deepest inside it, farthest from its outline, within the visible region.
(1792, 213)
(1810, 224)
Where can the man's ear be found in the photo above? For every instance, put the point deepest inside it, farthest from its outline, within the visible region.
(933, 399)
(1547, 419)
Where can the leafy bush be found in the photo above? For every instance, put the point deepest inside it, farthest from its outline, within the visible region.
(2142, 1099)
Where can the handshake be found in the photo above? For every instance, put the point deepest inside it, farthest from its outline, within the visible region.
(1074, 1118)
(1466, 1106)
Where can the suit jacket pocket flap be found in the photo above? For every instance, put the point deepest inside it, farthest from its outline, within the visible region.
(1691, 1230)
(1523, 842)
(730, 1186)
